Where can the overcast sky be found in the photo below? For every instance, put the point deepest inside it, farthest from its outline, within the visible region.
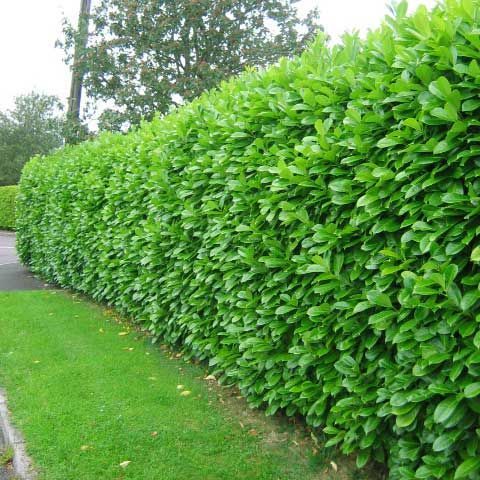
(29, 28)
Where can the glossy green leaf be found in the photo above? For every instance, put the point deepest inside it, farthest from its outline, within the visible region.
(472, 390)
(445, 409)
(467, 468)
(379, 298)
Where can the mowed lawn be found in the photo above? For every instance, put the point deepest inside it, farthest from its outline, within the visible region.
(97, 401)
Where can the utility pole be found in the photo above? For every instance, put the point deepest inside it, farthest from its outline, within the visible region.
(75, 98)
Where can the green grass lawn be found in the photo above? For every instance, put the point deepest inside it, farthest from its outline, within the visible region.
(88, 396)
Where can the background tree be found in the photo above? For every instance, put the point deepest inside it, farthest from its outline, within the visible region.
(76, 130)
(34, 126)
(146, 55)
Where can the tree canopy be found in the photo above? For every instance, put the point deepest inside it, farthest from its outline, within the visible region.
(143, 56)
(34, 126)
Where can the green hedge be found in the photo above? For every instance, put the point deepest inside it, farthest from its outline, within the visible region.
(7, 207)
(311, 230)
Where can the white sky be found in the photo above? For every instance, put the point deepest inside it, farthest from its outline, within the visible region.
(29, 28)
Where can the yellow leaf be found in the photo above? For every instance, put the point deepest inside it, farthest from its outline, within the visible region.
(122, 334)
(185, 393)
(180, 387)
(125, 464)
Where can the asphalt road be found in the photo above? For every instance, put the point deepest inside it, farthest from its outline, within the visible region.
(13, 275)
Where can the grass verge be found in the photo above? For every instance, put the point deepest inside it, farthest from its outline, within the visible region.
(97, 401)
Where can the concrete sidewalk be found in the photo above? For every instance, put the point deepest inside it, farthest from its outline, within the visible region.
(13, 276)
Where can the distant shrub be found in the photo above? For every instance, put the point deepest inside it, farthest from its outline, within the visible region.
(311, 230)
(7, 207)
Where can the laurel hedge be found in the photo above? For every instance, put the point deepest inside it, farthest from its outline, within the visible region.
(7, 207)
(311, 230)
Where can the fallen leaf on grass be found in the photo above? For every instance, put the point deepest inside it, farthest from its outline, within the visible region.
(36, 361)
(122, 334)
(154, 434)
(125, 464)
(185, 393)
(334, 466)
(84, 448)
(180, 387)
(253, 432)
(211, 377)
(101, 330)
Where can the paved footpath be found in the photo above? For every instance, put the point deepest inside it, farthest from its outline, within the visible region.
(13, 276)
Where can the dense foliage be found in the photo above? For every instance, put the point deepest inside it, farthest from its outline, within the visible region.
(143, 56)
(311, 230)
(34, 126)
(7, 207)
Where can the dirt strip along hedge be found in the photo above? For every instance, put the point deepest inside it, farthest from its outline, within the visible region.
(311, 230)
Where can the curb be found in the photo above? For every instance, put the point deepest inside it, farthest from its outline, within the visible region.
(22, 466)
